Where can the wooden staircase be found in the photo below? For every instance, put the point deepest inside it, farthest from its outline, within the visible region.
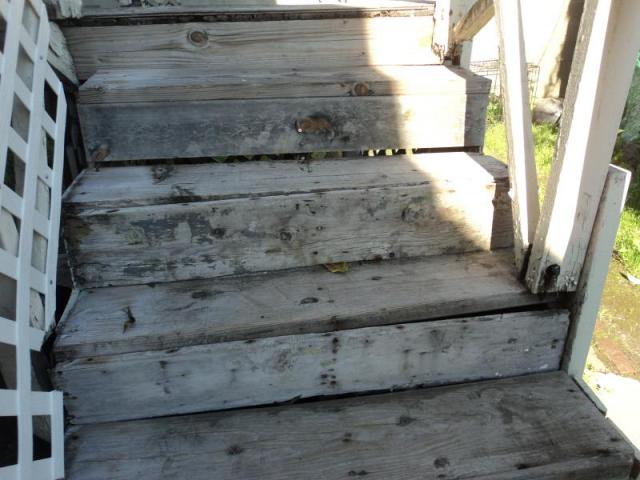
(234, 246)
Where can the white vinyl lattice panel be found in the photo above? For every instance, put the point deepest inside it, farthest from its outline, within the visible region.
(32, 123)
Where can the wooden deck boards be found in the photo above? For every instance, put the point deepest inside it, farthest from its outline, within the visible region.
(538, 426)
(259, 46)
(149, 131)
(136, 86)
(447, 213)
(280, 369)
(311, 300)
(135, 186)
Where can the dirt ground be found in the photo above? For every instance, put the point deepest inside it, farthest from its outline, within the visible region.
(617, 336)
(613, 365)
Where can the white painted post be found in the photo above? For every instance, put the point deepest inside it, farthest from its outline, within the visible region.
(594, 272)
(608, 43)
(517, 114)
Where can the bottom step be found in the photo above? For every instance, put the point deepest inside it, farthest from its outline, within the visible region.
(534, 427)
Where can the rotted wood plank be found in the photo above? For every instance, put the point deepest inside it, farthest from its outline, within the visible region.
(279, 369)
(130, 186)
(537, 426)
(135, 86)
(246, 127)
(258, 46)
(157, 243)
(108, 321)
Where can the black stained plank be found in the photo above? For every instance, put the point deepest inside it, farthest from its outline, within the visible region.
(283, 303)
(534, 427)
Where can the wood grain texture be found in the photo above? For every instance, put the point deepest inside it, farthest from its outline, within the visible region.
(311, 300)
(159, 130)
(157, 243)
(258, 46)
(538, 426)
(134, 186)
(136, 86)
(278, 369)
(473, 21)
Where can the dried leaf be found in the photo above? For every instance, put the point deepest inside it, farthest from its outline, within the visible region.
(340, 267)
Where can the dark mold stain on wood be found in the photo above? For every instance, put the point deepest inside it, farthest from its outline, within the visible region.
(441, 462)
(404, 420)
(308, 300)
(234, 450)
(357, 473)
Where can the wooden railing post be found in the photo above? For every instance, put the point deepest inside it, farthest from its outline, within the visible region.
(604, 58)
(517, 115)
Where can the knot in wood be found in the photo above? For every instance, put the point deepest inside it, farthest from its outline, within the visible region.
(198, 38)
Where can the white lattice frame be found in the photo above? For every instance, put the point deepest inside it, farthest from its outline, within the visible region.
(24, 403)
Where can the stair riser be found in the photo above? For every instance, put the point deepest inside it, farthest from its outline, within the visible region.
(238, 374)
(253, 46)
(210, 239)
(247, 127)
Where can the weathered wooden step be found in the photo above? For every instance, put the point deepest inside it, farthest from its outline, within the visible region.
(151, 114)
(107, 12)
(257, 46)
(107, 321)
(275, 215)
(280, 369)
(535, 427)
(138, 86)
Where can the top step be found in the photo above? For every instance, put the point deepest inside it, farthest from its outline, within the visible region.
(116, 11)
(231, 47)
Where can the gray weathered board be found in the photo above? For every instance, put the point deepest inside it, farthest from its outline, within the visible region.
(310, 300)
(177, 129)
(131, 186)
(136, 86)
(278, 369)
(538, 427)
(445, 212)
(258, 46)
(97, 11)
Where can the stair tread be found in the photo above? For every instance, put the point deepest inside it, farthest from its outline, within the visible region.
(538, 426)
(249, 217)
(111, 10)
(288, 302)
(249, 45)
(133, 186)
(155, 85)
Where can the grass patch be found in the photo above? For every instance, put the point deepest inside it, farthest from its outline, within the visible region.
(627, 245)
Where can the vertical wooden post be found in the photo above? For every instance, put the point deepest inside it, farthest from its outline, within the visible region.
(517, 113)
(604, 58)
(447, 14)
(594, 273)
